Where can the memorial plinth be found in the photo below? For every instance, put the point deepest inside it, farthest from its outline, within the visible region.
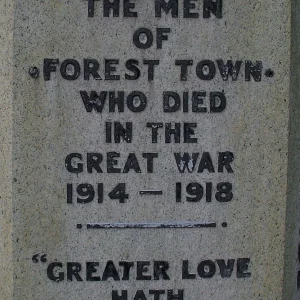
(149, 150)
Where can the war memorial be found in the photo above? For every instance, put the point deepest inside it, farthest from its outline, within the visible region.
(149, 149)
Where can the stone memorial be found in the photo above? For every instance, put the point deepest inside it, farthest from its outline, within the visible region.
(149, 149)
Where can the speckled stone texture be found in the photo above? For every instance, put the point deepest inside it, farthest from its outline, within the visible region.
(42, 122)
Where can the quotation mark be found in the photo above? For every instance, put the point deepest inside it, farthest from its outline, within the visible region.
(36, 258)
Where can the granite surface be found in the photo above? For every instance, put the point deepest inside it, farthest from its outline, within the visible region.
(227, 243)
